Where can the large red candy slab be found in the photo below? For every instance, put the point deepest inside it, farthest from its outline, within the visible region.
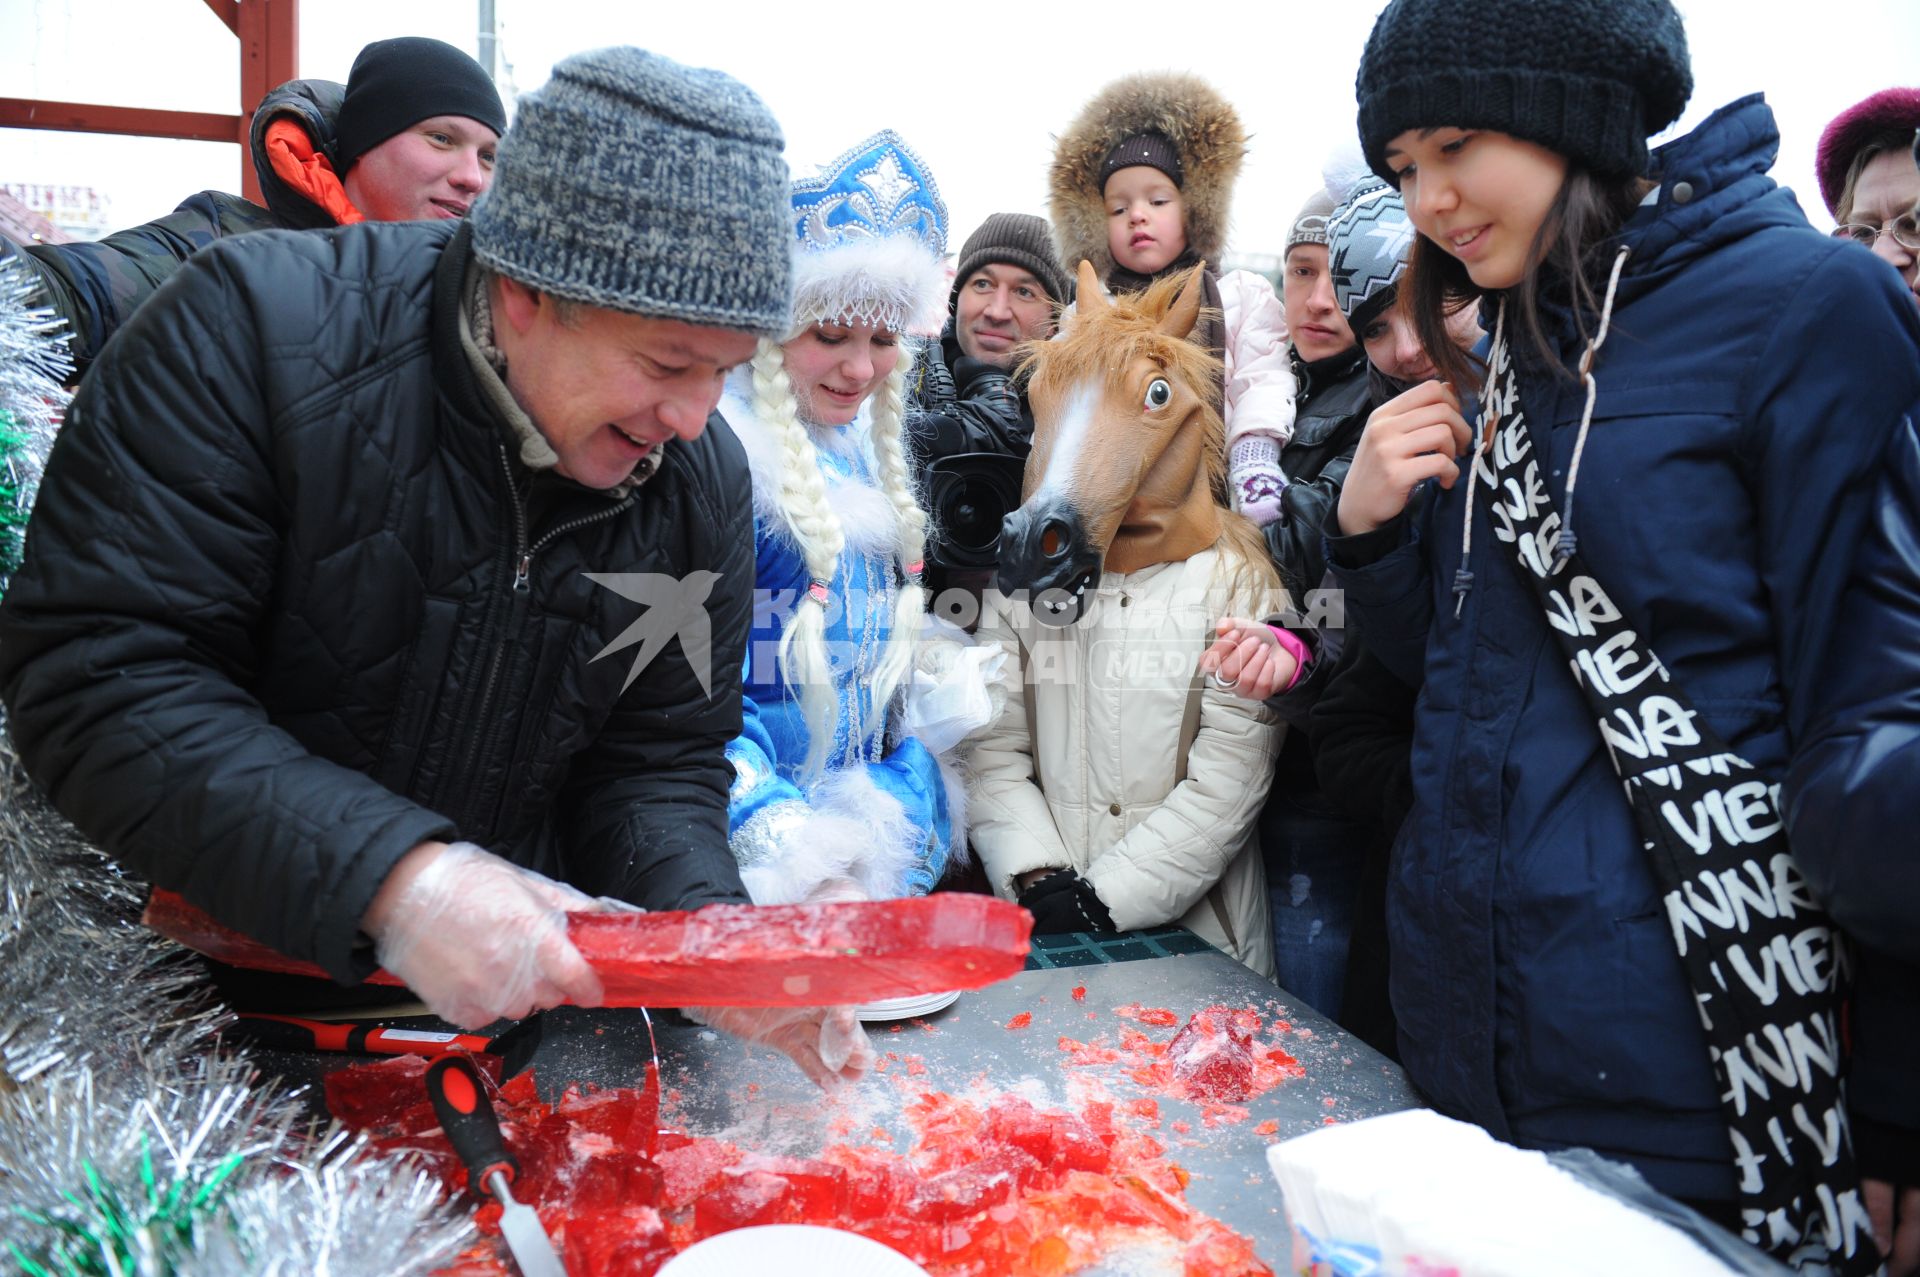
(735, 955)
(804, 955)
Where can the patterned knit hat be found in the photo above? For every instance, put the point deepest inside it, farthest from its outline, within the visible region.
(1588, 79)
(1368, 239)
(1890, 111)
(871, 234)
(1017, 239)
(632, 182)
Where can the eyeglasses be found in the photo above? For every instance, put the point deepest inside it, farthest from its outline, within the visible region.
(1905, 230)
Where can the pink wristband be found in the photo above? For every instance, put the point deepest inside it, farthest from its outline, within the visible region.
(1302, 656)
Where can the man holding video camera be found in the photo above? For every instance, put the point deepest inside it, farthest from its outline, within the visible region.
(970, 423)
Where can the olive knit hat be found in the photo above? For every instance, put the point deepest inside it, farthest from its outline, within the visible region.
(1589, 79)
(631, 182)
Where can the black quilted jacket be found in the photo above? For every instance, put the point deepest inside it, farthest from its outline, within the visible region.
(268, 635)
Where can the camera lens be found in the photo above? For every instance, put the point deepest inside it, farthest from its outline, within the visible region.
(973, 516)
(969, 497)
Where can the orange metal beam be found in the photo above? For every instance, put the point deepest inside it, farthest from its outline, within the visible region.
(85, 117)
(228, 11)
(269, 32)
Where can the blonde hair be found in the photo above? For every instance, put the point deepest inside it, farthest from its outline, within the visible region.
(802, 498)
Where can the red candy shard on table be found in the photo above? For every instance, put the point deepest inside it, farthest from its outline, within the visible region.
(735, 955)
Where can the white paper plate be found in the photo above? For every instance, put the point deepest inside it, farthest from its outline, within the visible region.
(908, 1007)
(790, 1250)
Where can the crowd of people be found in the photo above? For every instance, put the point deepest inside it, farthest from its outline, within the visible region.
(1602, 842)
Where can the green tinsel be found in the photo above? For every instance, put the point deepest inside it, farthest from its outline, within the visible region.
(109, 1234)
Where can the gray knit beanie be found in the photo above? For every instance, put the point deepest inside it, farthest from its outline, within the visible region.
(1310, 223)
(631, 182)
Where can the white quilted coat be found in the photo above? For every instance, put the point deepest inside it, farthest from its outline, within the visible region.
(1109, 697)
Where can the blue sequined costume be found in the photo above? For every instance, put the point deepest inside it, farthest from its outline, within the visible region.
(888, 793)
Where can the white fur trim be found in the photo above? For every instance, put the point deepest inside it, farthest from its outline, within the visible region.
(895, 282)
(867, 518)
(854, 830)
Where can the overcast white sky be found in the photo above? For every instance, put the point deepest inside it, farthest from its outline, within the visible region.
(981, 106)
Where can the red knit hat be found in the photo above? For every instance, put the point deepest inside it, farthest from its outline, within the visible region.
(1889, 110)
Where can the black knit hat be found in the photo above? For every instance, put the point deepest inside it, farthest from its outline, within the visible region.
(1018, 239)
(1588, 79)
(1155, 150)
(397, 83)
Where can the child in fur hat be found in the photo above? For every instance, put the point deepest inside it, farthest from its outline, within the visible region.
(1141, 183)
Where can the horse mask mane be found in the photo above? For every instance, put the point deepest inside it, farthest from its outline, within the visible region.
(1129, 453)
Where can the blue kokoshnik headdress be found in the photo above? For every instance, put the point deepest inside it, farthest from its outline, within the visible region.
(871, 233)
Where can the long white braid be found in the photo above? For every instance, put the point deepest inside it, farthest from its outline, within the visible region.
(803, 499)
(888, 426)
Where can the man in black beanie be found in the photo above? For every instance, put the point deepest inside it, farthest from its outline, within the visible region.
(412, 133)
(417, 129)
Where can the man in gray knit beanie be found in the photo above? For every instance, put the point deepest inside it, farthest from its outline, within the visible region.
(386, 496)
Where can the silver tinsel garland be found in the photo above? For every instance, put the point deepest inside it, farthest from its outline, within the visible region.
(132, 1142)
(34, 368)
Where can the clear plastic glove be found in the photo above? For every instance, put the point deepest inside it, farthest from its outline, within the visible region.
(480, 939)
(826, 1042)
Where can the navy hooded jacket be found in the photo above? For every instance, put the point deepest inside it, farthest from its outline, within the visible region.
(1755, 379)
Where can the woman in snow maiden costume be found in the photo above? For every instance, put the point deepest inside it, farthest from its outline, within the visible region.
(1600, 930)
(829, 797)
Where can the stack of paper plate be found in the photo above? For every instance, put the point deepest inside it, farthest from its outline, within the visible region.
(791, 1250)
(908, 1007)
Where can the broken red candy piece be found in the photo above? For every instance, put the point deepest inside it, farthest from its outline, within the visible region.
(803, 955)
(1212, 1057)
(743, 1202)
(1217, 1251)
(1079, 993)
(692, 1169)
(1021, 1021)
(734, 955)
(1268, 1127)
(618, 1243)
(817, 1189)
(613, 1181)
(376, 1096)
(1159, 1017)
(974, 1189)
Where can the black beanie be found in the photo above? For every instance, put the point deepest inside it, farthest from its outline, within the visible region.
(1018, 239)
(1155, 150)
(397, 83)
(1588, 79)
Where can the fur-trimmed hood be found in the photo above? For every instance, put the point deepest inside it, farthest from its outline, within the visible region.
(1204, 129)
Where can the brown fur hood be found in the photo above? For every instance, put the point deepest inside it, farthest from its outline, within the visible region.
(1205, 130)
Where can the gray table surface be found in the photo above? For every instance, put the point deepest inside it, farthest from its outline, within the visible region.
(718, 1087)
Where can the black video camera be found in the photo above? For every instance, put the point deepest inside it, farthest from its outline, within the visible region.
(969, 495)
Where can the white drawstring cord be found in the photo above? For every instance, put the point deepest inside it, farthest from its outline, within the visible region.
(1463, 575)
(1568, 544)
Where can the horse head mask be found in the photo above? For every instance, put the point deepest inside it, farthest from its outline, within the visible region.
(1129, 454)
